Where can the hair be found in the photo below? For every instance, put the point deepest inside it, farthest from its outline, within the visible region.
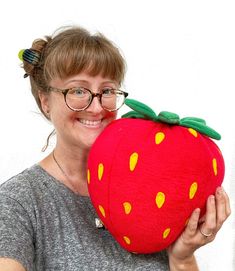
(70, 51)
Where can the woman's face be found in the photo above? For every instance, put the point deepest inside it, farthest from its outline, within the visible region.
(78, 129)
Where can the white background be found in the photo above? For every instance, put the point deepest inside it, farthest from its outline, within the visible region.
(180, 56)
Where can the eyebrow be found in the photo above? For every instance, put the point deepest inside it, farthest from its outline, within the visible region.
(87, 82)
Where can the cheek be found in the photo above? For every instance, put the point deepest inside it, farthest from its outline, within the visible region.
(112, 116)
(59, 115)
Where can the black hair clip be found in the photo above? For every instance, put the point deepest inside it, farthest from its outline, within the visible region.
(30, 56)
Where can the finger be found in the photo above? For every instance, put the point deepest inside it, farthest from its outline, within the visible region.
(192, 225)
(209, 225)
(227, 204)
(222, 206)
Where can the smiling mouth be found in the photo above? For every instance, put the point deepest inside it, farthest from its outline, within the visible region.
(90, 123)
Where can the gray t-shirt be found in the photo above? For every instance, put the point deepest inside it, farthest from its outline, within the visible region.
(45, 226)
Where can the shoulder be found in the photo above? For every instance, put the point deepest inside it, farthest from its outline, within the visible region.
(21, 195)
(22, 184)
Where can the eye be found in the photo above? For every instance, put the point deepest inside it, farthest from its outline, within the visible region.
(108, 91)
(78, 92)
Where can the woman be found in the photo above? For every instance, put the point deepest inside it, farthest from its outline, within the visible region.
(47, 221)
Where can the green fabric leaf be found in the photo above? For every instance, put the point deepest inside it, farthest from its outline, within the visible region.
(195, 119)
(200, 127)
(142, 111)
(168, 117)
(140, 108)
(133, 114)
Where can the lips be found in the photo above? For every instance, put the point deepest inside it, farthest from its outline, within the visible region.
(90, 123)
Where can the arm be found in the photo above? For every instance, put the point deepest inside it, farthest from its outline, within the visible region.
(16, 236)
(188, 264)
(181, 253)
(7, 264)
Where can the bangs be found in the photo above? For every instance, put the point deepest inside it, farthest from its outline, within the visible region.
(94, 55)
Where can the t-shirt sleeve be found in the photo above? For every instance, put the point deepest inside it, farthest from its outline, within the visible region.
(16, 232)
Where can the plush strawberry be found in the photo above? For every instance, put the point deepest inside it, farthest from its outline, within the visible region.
(148, 172)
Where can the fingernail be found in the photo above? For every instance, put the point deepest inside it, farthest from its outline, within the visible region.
(197, 211)
(220, 190)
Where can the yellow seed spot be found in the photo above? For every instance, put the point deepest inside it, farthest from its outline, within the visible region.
(133, 160)
(159, 137)
(127, 207)
(166, 233)
(214, 163)
(101, 208)
(127, 240)
(88, 176)
(100, 171)
(192, 131)
(160, 199)
(193, 190)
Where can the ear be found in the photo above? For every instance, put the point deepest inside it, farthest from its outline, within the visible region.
(44, 99)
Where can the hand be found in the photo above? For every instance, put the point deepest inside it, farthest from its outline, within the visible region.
(199, 232)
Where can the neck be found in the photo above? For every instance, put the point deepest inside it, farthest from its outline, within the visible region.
(74, 159)
(70, 167)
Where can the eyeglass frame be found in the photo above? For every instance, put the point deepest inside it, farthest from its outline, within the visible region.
(93, 95)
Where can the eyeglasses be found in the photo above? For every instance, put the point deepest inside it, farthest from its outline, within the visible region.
(80, 98)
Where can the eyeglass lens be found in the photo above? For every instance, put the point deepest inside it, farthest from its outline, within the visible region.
(80, 99)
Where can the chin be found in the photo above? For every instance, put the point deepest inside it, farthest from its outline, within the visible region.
(89, 141)
(90, 134)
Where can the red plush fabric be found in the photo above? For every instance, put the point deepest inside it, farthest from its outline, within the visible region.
(145, 178)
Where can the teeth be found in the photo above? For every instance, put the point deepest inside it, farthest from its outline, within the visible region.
(90, 122)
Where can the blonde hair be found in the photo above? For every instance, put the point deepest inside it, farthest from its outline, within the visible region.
(68, 52)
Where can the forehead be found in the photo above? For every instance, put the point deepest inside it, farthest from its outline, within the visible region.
(82, 78)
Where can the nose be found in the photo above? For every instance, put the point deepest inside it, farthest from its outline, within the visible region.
(95, 105)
